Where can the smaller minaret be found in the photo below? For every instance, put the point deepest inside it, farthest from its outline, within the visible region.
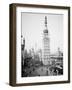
(59, 52)
(22, 52)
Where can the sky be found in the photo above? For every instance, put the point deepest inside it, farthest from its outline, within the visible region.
(33, 26)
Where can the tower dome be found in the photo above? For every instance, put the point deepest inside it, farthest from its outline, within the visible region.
(45, 31)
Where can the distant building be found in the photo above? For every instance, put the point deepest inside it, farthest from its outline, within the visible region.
(57, 58)
(46, 45)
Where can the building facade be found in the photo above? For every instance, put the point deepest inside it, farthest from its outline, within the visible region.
(46, 45)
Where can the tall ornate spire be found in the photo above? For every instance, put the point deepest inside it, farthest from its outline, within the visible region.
(46, 21)
(46, 30)
(46, 45)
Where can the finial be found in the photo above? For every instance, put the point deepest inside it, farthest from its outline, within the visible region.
(46, 21)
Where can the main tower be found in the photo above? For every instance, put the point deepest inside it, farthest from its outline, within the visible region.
(46, 44)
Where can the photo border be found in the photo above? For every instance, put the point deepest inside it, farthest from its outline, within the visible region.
(12, 62)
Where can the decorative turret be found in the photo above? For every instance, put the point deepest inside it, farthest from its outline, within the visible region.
(22, 43)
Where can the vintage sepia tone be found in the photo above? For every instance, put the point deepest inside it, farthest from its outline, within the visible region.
(43, 54)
